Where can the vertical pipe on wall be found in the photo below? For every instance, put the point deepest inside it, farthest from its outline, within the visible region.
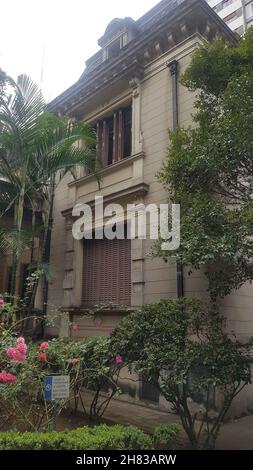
(173, 68)
(244, 16)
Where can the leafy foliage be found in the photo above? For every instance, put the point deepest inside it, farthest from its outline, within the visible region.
(37, 149)
(180, 347)
(97, 438)
(210, 167)
(214, 64)
(98, 372)
(165, 436)
(88, 363)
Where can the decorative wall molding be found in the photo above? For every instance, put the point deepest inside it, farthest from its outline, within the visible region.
(137, 138)
(166, 28)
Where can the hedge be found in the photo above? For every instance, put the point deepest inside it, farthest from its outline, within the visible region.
(166, 436)
(99, 437)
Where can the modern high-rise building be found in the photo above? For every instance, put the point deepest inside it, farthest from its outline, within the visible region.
(238, 14)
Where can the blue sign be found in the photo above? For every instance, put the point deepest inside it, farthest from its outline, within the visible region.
(48, 382)
(56, 387)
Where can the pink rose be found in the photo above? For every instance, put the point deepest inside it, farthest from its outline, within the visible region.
(11, 352)
(15, 355)
(20, 340)
(21, 346)
(43, 357)
(118, 359)
(5, 377)
(44, 346)
(2, 303)
(74, 328)
(74, 361)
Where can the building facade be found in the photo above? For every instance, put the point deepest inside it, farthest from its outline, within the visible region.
(131, 95)
(237, 14)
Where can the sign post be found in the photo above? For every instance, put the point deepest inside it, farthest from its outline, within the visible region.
(56, 387)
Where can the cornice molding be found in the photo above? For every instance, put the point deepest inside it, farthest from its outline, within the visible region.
(83, 311)
(164, 31)
(140, 189)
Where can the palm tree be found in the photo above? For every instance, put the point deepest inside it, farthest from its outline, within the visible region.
(37, 149)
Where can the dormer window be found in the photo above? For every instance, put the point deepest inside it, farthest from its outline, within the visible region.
(117, 35)
(113, 49)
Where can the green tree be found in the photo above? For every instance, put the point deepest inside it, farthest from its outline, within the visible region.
(180, 347)
(36, 150)
(210, 167)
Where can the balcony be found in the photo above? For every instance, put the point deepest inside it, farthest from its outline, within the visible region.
(123, 179)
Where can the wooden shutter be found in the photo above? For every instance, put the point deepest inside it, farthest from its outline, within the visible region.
(105, 143)
(120, 136)
(115, 137)
(107, 272)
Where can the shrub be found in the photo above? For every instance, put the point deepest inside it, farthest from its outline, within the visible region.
(181, 347)
(98, 371)
(165, 436)
(97, 438)
(24, 366)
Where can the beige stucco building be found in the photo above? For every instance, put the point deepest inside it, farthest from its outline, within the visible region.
(131, 94)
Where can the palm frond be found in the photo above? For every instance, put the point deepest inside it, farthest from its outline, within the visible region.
(42, 269)
(8, 195)
(12, 241)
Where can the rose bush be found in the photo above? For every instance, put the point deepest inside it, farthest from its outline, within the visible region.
(22, 381)
(24, 364)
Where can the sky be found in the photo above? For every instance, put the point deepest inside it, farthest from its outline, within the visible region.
(57, 36)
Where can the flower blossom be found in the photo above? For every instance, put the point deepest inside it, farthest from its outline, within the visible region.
(74, 361)
(2, 303)
(5, 377)
(118, 359)
(75, 328)
(44, 346)
(21, 346)
(17, 354)
(43, 357)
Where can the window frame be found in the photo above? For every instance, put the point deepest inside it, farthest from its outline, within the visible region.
(111, 134)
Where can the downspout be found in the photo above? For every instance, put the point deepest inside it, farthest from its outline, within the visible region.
(173, 68)
(244, 17)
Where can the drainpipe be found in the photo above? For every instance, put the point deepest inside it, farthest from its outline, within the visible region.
(244, 16)
(173, 68)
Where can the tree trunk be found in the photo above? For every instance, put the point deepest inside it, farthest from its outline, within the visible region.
(17, 253)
